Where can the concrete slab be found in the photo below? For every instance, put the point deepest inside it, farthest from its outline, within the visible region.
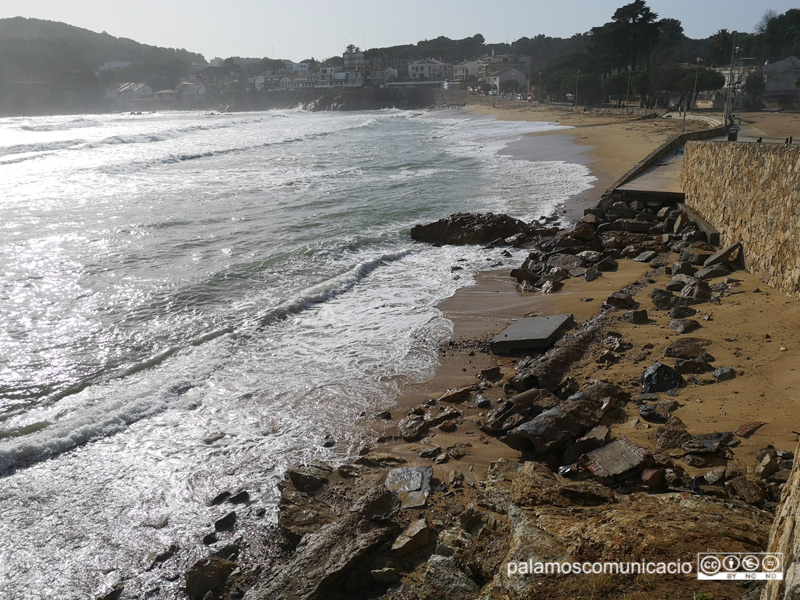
(531, 333)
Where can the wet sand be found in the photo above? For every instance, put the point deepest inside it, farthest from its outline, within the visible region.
(766, 367)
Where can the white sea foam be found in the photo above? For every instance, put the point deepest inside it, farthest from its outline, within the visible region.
(192, 302)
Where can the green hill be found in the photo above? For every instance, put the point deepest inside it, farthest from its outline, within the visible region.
(46, 66)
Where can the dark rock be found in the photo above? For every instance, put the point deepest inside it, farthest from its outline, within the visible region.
(320, 566)
(650, 412)
(725, 255)
(672, 434)
(715, 477)
(689, 348)
(564, 261)
(660, 378)
(470, 228)
(225, 523)
(696, 292)
(516, 239)
(681, 222)
(594, 439)
(444, 579)
(616, 460)
(384, 414)
(300, 514)
(536, 485)
(241, 498)
(553, 428)
(679, 282)
(590, 256)
(582, 231)
(411, 427)
(411, 485)
(607, 264)
(591, 274)
(697, 462)
(681, 311)
(620, 210)
(621, 300)
(157, 558)
(228, 552)
(448, 427)
(550, 287)
(654, 478)
(415, 536)
(210, 538)
(220, 498)
(684, 325)
(208, 575)
(491, 374)
(724, 373)
(630, 225)
(309, 478)
(646, 256)
(482, 401)
(696, 256)
(380, 504)
(707, 443)
(767, 467)
(745, 489)
(660, 261)
(713, 271)
(683, 268)
(662, 299)
(637, 317)
(385, 576)
(114, 593)
(695, 367)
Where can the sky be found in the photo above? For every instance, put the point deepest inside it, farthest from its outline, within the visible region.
(322, 28)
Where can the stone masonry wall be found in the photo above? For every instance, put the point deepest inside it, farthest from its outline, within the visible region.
(750, 193)
(784, 537)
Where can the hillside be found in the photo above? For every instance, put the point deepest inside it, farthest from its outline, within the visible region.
(50, 66)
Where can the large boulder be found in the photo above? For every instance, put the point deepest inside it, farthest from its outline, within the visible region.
(470, 228)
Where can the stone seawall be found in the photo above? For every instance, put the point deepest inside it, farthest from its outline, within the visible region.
(461, 98)
(784, 537)
(750, 193)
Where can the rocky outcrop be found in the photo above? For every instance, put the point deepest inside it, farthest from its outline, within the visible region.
(470, 228)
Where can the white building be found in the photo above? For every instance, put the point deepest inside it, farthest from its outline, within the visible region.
(130, 91)
(781, 77)
(499, 78)
(430, 69)
(465, 70)
(300, 68)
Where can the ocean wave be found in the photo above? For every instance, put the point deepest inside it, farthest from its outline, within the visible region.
(39, 147)
(78, 123)
(330, 289)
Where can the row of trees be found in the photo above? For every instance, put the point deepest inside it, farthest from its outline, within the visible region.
(634, 55)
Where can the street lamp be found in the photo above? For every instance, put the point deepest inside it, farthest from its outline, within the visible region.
(539, 89)
(577, 78)
(694, 91)
(691, 99)
(729, 100)
(628, 90)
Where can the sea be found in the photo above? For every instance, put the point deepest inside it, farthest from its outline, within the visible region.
(190, 302)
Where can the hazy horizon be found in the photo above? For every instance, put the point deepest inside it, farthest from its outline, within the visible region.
(322, 29)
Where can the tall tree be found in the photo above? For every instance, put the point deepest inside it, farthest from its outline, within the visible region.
(638, 30)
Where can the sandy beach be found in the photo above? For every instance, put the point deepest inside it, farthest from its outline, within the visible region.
(489, 504)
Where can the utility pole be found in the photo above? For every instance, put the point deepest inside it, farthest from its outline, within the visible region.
(577, 78)
(694, 91)
(628, 90)
(729, 100)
